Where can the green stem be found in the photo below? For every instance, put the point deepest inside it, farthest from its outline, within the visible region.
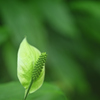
(28, 89)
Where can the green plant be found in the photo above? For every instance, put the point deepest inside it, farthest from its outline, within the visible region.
(31, 67)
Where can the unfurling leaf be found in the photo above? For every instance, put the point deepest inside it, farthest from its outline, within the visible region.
(31, 67)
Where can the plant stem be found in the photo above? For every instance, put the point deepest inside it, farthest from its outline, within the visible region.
(28, 89)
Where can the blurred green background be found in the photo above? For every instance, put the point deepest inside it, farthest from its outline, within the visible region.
(69, 31)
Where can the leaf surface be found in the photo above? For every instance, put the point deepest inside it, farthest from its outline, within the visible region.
(27, 56)
(14, 91)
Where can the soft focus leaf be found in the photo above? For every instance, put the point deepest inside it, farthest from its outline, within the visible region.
(91, 26)
(27, 56)
(23, 20)
(59, 17)
(89, 21)
(14, 91)
(90, 7)
(70, 71)
(10, 58)
(3, 34)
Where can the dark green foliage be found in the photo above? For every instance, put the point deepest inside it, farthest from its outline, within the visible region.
(14, 91)
(68, 30)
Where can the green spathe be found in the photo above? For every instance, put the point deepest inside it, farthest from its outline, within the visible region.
(27, 56)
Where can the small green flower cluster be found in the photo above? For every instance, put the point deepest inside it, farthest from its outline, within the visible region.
(39, 65)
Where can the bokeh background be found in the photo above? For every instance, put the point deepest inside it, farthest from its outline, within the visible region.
(68, 30)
